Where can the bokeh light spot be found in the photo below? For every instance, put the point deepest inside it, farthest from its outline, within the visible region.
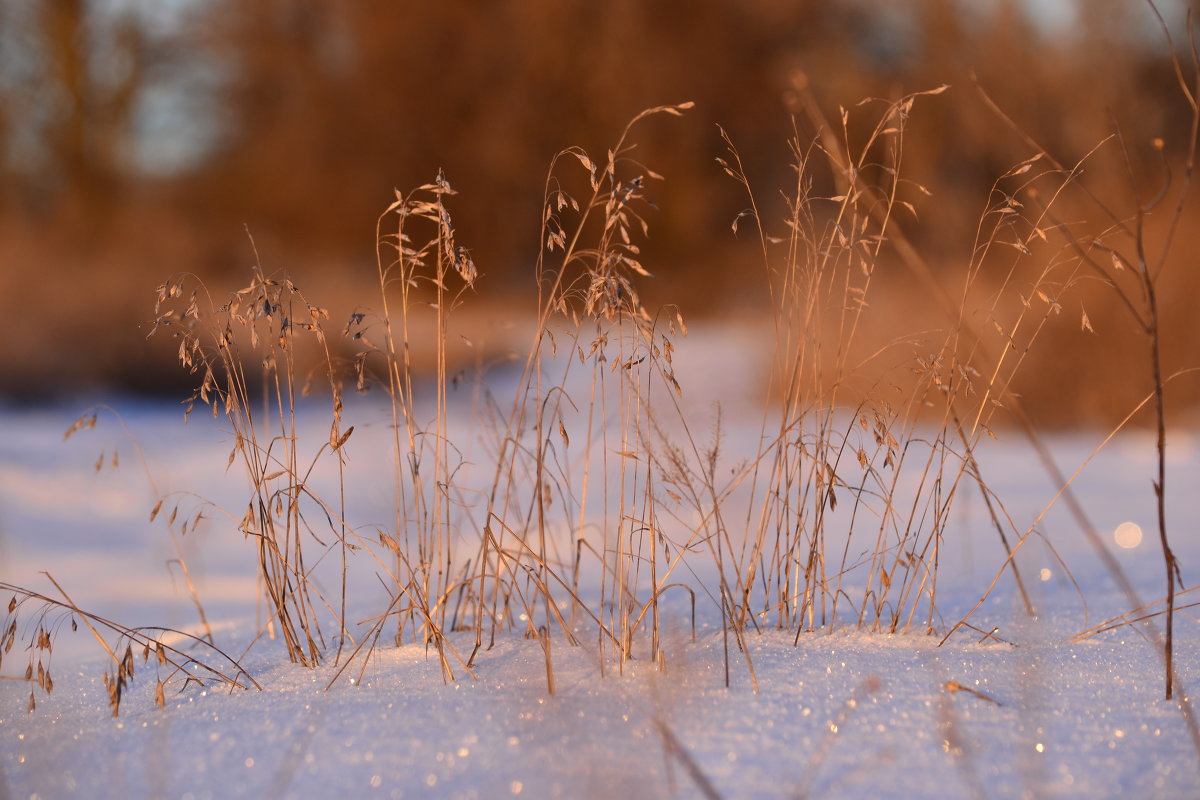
(1128, 535)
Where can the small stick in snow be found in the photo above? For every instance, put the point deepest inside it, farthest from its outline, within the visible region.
(955, 686)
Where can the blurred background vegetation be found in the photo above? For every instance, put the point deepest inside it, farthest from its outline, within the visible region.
(142, 138)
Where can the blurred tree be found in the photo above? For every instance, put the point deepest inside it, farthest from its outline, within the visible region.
(89, 103)
(142, 137)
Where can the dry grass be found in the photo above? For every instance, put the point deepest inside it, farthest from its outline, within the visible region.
(600, 498)
(597, 501)
(173, 667)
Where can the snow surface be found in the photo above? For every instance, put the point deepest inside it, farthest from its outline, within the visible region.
(845, 714)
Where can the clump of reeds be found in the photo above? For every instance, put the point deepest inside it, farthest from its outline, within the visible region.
(245, 352)
(594, 471)
(417, 261)
(847, 505)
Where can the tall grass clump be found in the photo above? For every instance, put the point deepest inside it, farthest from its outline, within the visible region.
(245, 352)
(848, 504)
(417, 261)
(560, 515)
(586, 498)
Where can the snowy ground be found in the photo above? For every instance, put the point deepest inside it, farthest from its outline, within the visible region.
(841, 715)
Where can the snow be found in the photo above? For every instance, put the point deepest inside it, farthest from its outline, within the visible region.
(842, 714)
(839, 716)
